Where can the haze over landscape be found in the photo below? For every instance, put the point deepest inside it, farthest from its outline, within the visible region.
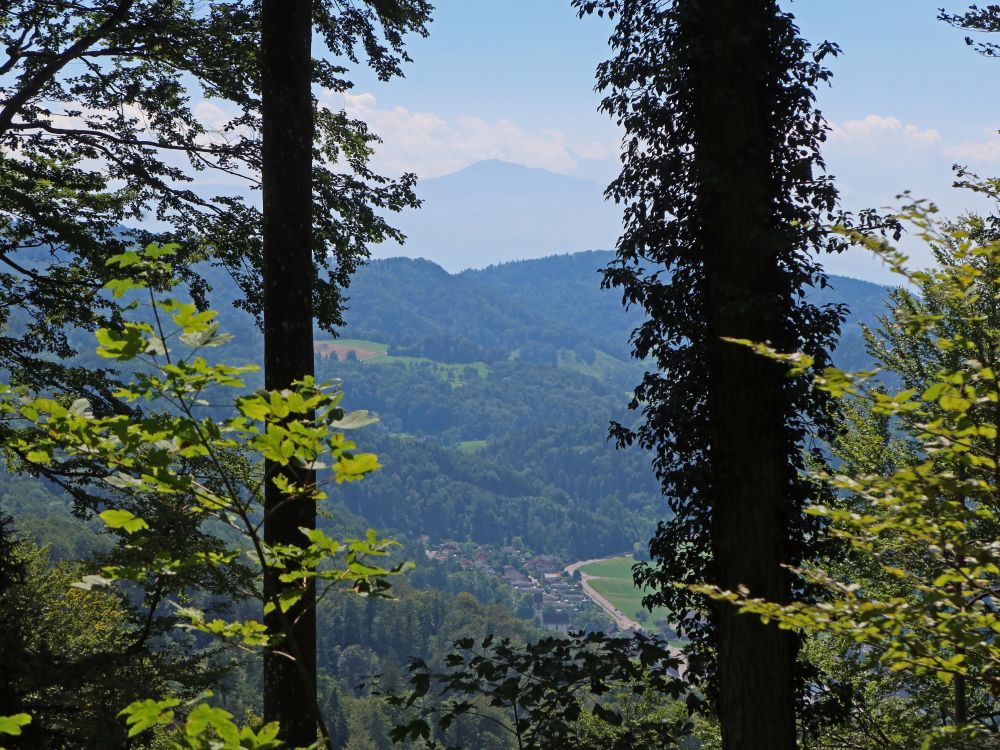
(473, 96)
(341, 410)
(494, 211)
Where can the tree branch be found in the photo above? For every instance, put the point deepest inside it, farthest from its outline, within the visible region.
(46, 74)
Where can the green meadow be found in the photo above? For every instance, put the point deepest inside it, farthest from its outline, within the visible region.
(613, 580)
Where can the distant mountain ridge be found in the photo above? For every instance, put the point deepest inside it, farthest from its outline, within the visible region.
(495, 211)
(553, 302)
(529, 308)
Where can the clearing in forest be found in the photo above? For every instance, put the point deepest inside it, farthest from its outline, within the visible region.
(340, 348)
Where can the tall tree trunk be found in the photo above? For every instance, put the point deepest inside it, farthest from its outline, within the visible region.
(748, 403)
(286, 171)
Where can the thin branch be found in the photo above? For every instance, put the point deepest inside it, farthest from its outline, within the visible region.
(35, 276)
(35, 85)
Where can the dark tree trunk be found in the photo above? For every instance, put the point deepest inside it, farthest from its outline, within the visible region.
(747, 396)
(286, 169)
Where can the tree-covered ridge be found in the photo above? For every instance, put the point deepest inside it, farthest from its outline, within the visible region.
(547, 303)
(184, 519)
(516, 448)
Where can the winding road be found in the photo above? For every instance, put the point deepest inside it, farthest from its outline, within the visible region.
(623, 621)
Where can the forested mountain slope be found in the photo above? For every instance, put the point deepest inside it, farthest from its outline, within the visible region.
(494, 400)
(494, 418)
(548, 302)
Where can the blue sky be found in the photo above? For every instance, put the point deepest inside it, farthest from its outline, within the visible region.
(514, 80)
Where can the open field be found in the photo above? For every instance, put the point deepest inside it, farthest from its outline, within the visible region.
(613, 567)
(612, 579)
(471, 446)
(603, 366)
(341, 347)
(449, 373)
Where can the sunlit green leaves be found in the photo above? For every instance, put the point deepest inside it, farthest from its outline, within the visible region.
(181, 451)
(204, 727)
(143, 715)
(13, 725)
(921, 590)
(123, 519)
(125, 344)
(350, 468)
(243, 632)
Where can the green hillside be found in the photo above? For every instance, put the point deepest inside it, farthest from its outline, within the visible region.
(495, 389)
(537, 308)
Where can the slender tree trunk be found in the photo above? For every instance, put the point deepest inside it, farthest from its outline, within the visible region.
(961, 702)
(286, 170)
(748, 403)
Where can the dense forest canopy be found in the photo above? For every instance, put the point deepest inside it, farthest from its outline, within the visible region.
(686, 490)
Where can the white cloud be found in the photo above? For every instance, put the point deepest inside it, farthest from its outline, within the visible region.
(211, 115)
(892, 155)
(876, 125)
(973, 152)
(876, 131)
(425, 143)
(878, 157)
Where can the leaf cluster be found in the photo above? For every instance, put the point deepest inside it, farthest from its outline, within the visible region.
(917, 592)
(541, 690)
(182, 453)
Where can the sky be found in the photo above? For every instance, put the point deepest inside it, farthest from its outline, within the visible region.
(513, 80)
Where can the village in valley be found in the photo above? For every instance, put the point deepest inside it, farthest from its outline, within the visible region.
(545, 587)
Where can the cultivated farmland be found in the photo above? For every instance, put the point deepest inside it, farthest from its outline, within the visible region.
(342, 348)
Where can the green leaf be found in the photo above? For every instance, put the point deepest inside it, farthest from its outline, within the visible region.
(204, 716)
(355, 419)
(123, 519)
(123, 481)
(934, 392)
(154, 251)
(91, 582)
(352, 468)
(123, 260)
(123, 345)
(253, 407)
(12, 725)
(143, 715)
(119, 287)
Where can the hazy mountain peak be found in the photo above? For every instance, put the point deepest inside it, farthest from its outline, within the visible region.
(495, 211)
(500, 169)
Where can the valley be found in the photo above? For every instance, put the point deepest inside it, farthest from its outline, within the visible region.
(494, 389)
(357, 359)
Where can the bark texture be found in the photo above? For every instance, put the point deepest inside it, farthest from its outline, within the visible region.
(286, 170)
(749, 410)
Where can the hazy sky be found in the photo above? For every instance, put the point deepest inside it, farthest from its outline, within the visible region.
(513, 80)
